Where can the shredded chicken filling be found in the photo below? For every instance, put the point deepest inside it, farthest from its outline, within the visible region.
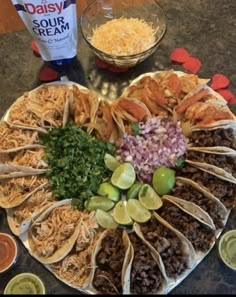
(51, 233)
(35, 203)
(14, 138)
(16, 188)
(44, 107)
(75, 268)
(30, 158)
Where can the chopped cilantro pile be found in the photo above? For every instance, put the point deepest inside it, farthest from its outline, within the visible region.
(76, 163)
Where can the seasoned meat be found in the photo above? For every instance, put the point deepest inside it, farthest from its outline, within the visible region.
(189, 193)
(225, 162)
(198, 234)
(146, 277)
(225, 191)
(109, 261)
(218, 137)
(168, 245)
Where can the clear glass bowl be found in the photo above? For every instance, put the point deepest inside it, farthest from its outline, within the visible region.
(99, 12)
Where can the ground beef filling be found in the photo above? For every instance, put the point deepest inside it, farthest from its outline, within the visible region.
(225, 191)
(168, 245)
(109, 261)
(146, 277)
(189, 193)
(198, 234)
(218, 137)
(225, 162)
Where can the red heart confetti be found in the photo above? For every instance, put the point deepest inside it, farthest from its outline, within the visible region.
(104, 65)
(219, 81)
(48, 74)
(193, 65)
(179, 55)
(232, 101)
(226, 93)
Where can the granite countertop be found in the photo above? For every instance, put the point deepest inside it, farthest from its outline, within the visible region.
(207, 29)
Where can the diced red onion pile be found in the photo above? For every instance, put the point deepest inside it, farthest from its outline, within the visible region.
(159, 143)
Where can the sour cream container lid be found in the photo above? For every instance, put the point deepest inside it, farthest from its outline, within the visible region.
(25, 284)
(227, 248)
(8, 252)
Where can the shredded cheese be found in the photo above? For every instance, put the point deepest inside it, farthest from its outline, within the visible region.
(123, 36)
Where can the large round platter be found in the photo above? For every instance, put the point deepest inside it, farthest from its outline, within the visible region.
(65, 112)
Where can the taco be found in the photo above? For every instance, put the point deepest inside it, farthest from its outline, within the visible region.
(203, 109)
(220, 188)
(175, 250)
(45, 108)
(189, 190)
(75, 268)
(15, 191)
(29, 158)
(103, 124)
(110, 261)
(147, 275)
(200, 234)
(53, 234)
(13, 140)
(221, 140)
(221, 165)
(126, 112)
(83, 106)
(19, 218)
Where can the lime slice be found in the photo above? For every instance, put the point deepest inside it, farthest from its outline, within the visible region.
(109, 191)
(120, 214)
(163, 180)
(124, 176)
(105, 220)
(149, 198)
(97, 202)
(137, 212)
(111, 162)
(133, 191)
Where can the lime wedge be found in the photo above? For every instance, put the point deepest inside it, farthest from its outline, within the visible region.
(111, 162)
(133, 191)
(109, 191)
(97, 202)
(137, 212)
(105, 220)
(120, 214)
(124, 176)
(149, 198)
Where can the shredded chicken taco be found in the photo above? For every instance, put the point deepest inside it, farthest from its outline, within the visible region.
(53, 234)
(75, 268)
(19, 218)
(14, 139)
(44, 108)
(15, 191)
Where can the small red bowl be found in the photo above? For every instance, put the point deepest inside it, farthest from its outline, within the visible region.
(8, 252)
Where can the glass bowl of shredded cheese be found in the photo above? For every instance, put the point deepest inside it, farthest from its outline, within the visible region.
(123, 33)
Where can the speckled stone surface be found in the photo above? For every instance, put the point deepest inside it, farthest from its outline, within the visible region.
(207, 28)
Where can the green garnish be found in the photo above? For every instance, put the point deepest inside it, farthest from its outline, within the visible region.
(135, 128)
(76, 163)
